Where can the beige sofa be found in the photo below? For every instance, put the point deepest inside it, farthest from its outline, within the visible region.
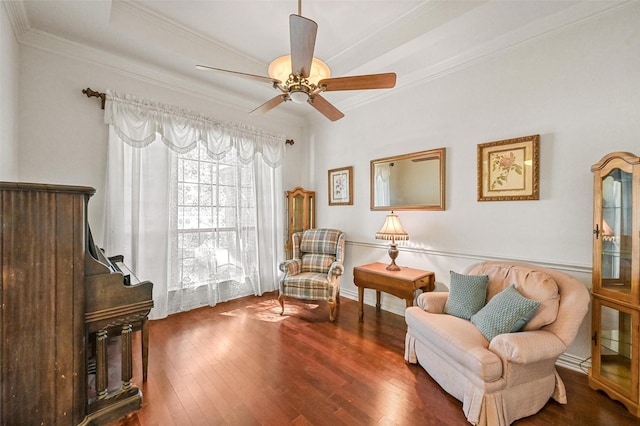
(513, 375)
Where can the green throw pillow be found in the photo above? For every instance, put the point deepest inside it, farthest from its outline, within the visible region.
(507, 312)
(467, 294)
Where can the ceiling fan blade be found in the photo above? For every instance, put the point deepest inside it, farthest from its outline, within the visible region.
(359, 82)
(302, 32)
(240, 74)
(269, 105)
(325, 107)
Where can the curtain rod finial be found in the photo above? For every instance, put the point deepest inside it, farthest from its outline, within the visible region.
(289, 142)
(93, 94)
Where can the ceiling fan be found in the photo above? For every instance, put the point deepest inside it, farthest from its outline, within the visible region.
(297, 87)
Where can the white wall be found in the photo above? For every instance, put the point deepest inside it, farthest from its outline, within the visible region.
(8, 100)
(578, 88)
(63, 138)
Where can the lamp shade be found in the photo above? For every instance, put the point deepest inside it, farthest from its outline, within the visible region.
(392, 229)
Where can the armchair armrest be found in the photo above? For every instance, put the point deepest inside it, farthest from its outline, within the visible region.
(291, 267)
(527, 347)
(336, 269)
(433, 302)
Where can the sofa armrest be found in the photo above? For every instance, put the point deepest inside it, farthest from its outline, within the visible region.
(527, 346)
(433, 301)
(291, 267)
(336, 269)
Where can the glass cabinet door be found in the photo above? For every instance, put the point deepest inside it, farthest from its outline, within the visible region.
(615, 337)
(616, 231)
(300, 214)
(297, 214)
(615, 272)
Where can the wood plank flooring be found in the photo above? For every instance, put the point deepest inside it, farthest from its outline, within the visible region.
(241, 363)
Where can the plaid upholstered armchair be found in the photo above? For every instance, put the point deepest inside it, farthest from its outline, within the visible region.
(315, 270)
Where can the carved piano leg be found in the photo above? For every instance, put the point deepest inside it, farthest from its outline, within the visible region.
(145, 348)
(127, 356)
(102, 373)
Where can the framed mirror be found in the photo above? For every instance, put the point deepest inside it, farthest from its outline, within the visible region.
(409, 182)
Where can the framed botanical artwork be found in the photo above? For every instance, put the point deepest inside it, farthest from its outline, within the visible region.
(341, 186)
(509, 169)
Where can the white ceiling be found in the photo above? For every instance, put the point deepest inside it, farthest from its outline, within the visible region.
(164, 40)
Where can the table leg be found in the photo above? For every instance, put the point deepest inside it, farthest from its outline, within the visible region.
(360, 302)
(378, 300)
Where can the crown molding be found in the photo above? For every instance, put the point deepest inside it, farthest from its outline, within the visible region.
(143, 72)
(128, 12)
(143, 22)
(578, 14)
(17, 17)
(27, 36)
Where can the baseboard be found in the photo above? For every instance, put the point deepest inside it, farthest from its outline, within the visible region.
(574, 363)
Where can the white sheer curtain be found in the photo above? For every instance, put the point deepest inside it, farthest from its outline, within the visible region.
(194, 204)
(382, 176)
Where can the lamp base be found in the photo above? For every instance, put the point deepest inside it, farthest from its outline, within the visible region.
(393, 253)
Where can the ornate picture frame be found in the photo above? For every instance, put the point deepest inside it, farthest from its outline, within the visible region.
(341, 186)
(508, 170)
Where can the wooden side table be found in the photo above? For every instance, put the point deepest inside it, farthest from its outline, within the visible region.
(402, 283)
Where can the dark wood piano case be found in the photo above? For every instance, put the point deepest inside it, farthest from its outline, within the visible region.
(45, 272)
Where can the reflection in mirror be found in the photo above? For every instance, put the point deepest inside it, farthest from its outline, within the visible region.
(410, 181)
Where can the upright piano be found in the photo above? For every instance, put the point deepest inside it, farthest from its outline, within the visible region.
(65, 306)
(117, 304)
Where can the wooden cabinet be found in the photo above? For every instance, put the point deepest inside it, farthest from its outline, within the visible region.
(616, 279)
(300, 214)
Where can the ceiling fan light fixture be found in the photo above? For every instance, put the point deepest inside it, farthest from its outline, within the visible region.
(299, 97)
(280, 69)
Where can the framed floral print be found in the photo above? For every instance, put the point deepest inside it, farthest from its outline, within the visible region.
(341, 186)
(508, 169)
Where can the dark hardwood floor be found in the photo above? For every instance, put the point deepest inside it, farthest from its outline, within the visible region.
(241, 363)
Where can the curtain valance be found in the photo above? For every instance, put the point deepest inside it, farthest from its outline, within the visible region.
(137, 122)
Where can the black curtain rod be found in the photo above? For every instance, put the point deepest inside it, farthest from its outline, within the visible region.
(103, 97)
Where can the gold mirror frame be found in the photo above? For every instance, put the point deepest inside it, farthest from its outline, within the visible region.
(419, 183)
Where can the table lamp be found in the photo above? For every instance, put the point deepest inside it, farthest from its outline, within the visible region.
(392, 230)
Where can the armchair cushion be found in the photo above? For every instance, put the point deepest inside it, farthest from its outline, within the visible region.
(315, 262)
(323, 241)
(467, 294)
(507, 312)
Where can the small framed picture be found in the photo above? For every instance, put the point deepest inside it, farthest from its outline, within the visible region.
(341, 186)
(508, 170)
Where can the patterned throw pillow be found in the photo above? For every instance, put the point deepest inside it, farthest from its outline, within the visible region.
(467, 294)
(507, 312)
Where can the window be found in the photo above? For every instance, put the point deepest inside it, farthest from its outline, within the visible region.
(215, 216)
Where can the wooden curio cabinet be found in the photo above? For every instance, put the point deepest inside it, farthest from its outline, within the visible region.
(300, 214)
(616, 279)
